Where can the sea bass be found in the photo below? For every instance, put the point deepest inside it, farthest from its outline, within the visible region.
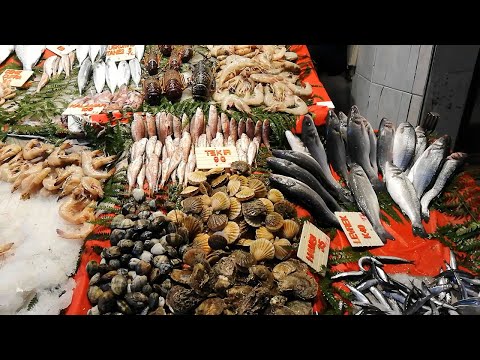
(302, 194)
(29, 55)
(420, 146)
(336, 152)
(450, 166)
(386, 134)
(84, 74)
(404, 145)
(295, 143)
(99, 75)
(112, 75)
(373, 146)
(366, 199)
(123, 73)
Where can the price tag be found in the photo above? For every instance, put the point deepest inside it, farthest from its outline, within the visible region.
(15, 77)
(120, 52)
(313, 247)
(61, 49)
(328, 104)
(80, 109)
(213, 157)
(358, 229)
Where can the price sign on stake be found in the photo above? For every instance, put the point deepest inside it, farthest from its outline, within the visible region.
(78, 109)
(358, 229)
(313, 247)
(213, 157)
(120, 52)
(15, 77)
(61, 49)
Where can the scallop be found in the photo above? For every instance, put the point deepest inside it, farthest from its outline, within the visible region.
(233, 187)
(220, 201)
(243, 259)
(245, 194)
(206, 213)
(215, 171)
(219, 180)
(245, 242)
(176, 216)
(197, 177)
(189, 191)
(243, 180)
(275, 196)
(193, 225)
(259, 188)
(206, 200)
(254, 221)
(222, 189)
(232, 231)
(192, 204)
(253, 208)
(262, 249)
(243, 227)
(274, 221)
(201, 242)
(283, 249)
(263, 233)
(181, 276)
(218, 240)
(205, 188)
(217, 222)
(286, 209)
(268, 205)
(235, 209)
(290, 229)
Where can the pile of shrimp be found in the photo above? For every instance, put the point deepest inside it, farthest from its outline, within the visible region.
(254, 75)
(48, 170)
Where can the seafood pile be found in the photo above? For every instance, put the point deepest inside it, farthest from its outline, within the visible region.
(451, 292)
(254, 75)
(54, 66)
(164, 146)
(48, 170)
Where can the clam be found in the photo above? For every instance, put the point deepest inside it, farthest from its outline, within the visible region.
(220, 201)
(138, 283)
(116, 235)
(235, 209)
(211, 306)
(275, 195)
(274, 221)
(123, 307)
(143, 268)
(233, 187)
(219, 180)
(136, 300)
(258, 187)
(262, 249)
(263, 233)
(193, 205)
(300, 307)
(207, 211)
(283, 249)
(240, 167)
(108, 276)
(290, 229)
(205, 188)
(193, 256)
(160, 260)
(189, 191)
(153, 300)
(201, 241)
(157, 249)
(232, 231)
(119, 285)
(268, 205)
(217, 240)
(94, 293)
(126, 245)
(181, 276)
(176, 216)
(217, 222)
(253, 208)
(106, 302)
(197, 177)
(245, 193)
(181, 300)
(302, 285)
(114, 264)
(193, 225)
(174, 240)
(286, 209)
(154, 275)
(137, 248)
(92, 268)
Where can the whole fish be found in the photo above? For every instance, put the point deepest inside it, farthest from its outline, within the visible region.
(102, 52)
(208, 135)
(60, 68)
(403, 193)
(93, 52)
(309, 164)
(169, 146)
(404, 145)
(266, 131)
(150, 148)
(191, 164)
(84, 74)
(295, 143)
(181, 171)
(139, 50)
(172, 165)
(242, 155)
(450, 166)
(244, 142)
(426, 167)
(177, 127)
(43, 81)
(218, 140)
(82, 52)
(138, 127)
(135, 71)
(242, 127)
(151, 173)
(185, 123)
(202, 140)
(358, 147)
(65, 59)
(420, 146)
(99, 75)
(160, 118)
(288, 168)
(258, 131)
(212, 121)
(219, 124)
(5, 51)
(252, 152)
(250, 128)
(71, 56)
(151, 127)
(168, 125)
(386, 134)
(112, 75)
(123, 73)
(158, 148)
(197, 127)
(48, 65)
(306, 197)
(138, 148)
(165, 165)
(366, 199)
(225, 125)
(336, 147)
(185, 144)
(234, 129)
(132, 172)
(29, 55)
(373, 146)
(55, 65)
(141, 177)
(343, 125)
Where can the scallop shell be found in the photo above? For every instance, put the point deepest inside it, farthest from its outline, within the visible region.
(243, 227)
(274, 221)
(283, 249)
(222, 189)
(263, 233)
(235, 209)
(262, 249)
(192, 204)
(217, 222)
(233, 187)
(215, 171)
(218, 240)
(243, 180)
(206, 213)
(275, 195)
(220, 201)
(253, 208)
(268, 205)
(197, 177)
(240, 167)
(243, 259)
(286, 209)
(290, 229)
(189, 191)
(234, 177)
(245, 242)
(245, 194)
(205, 188)
(219, 180)
(193, 225)
(201, 241)
(232, 230)
(254, 221)
(259, 188)
(176, 216)
(206, 200)
(181, 276)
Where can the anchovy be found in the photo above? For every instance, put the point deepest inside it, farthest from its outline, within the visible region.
(404, 145)
(360, 297)
(386, 134)
(367, 284)
(347, 274)
(335, 146)
(370, 259)
(393, 260)
(378, 295)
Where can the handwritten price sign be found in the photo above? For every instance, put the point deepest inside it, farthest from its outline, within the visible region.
(358, 229)
(120, 52)
(15, 77)
(213, 157)
(61, 49)
(313, 247)
(79, 109)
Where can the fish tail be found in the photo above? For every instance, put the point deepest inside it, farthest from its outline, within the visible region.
(426, 215)
(418, 230)
(383, 234)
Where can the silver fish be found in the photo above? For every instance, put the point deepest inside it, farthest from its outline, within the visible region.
(152, 173)
(366, 199)
(132, 172)
(139, 50)
(425, 168)
(181, 171)
(451, 164)
(93, 52)
(84, 74)
(99, 75)
(123, 73)
(5, 51)
(82, 52)
(112, 75)
(135, 71)
(420, 146)
(47, 72)
(403, 193)
(29, 54)
(103, 51)
(404, 145)
(386, 134)
(295, 142)
(71, 56)
(141, 177)
(373, 146)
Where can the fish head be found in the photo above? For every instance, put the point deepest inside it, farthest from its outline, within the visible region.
(443, 142)
(282, 181)
(308, 127)
(333, 120)
(458, 156)
(357, 170)
(353, 111)
(275, 162)
(392, 170)
(279, 153)
(404, 126)
(420, 132)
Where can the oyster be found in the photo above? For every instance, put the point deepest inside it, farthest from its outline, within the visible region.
(181, 276)
(181, 300)
(302, 285)
(211, 306)
(286, 209)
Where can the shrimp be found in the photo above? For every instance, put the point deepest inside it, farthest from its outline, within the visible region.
(71, 178)
(238, 102)
(24, 173)
(89, 170)
(81, 234)
(35, 149)
(92, 186)
(76, 211)
(101, 161)
(33, 182)
(299, 90)
(58, 158)
(9, 151)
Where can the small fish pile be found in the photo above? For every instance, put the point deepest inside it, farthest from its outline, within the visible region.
(49, 170)
(451, 292)
(254, 75)
(6, 93)
(54, 66)
(169, 152)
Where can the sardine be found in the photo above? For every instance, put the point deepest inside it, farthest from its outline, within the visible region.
(225, 126)
(132, 172)
(266, 132)
(426, 167)
(373, 146)
(367, 200)
(288, 168)
(306, 197)
(450, 166)
(386, 134)
(403, 193)
(137, 127)
(93, 52)
(242, 127)
(177, 127)
(233, 129)
(152, 173)
(135, 71)
(139, 50)
(111, 75)
(252, 152)
(141, 177)
(336, 153)
(151, 127)
(5, 51)
(420, 146)
(82, 52)
(84, 74)
(181, 171)
(123, 73)
(99, 75)
(191, 165)
(29, 55)
(185, 123)
(212, 121)
(404, 145)
(295, 143)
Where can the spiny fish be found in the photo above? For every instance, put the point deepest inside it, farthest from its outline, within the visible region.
(386, 134)
(135, 71)
(335, 146)
(420, 146)
(82, 53)
(295, 143)
(99, 75)
(404, 145)
(29, 55)
(123, 73)
(111, 75)
(84, 74)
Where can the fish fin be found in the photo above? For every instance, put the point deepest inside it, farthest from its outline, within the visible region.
(419, 231)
